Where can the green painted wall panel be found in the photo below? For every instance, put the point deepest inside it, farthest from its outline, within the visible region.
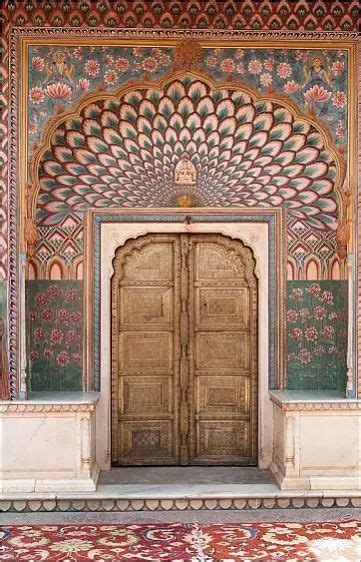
(317, 335)
(54, 334)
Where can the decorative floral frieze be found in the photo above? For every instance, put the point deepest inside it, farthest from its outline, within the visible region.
(316, 80)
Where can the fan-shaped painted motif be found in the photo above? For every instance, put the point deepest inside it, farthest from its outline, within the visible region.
(247, 153)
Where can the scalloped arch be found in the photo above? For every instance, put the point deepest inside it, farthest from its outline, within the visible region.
(121, 149)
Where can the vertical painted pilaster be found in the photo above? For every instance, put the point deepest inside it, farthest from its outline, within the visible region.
(351, 379)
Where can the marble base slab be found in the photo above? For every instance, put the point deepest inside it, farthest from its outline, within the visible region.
(35, 486)
(316, 442)
(47, 443)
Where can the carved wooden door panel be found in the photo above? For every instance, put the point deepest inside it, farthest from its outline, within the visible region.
(223, 352)
(184, 363)
(145, 353)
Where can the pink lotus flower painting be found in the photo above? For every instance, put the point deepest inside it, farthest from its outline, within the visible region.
(54, 346)
(59, 91)
(38, 63)
(317, 94)
(36, 95)
(316, 335)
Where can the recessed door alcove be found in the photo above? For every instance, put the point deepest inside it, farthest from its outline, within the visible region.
(184, 351)
(260, 231)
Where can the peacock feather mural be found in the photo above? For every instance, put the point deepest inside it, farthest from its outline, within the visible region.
(247, 152)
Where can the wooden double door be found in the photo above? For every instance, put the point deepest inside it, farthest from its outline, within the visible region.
(184, 352)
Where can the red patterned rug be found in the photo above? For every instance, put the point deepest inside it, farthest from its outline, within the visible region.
(178, 542)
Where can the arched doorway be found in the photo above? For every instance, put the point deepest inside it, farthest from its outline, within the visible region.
(184, 351)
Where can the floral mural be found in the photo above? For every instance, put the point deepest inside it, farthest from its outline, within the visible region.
(315, 80)
(316, 335)
(58, 82)
(60, 76)
(246, 152)
(89, 164)
(54, 316)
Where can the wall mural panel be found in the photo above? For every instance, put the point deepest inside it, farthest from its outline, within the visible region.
(293, 165)
(60, 75)
(245, 152)
(317, 335)
(54, 335)
(315, 79)
(260, 15)
(235, 121)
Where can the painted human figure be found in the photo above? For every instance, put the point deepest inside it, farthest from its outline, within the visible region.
(316, 74)
(58, 70)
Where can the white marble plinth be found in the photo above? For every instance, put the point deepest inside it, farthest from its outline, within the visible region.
(47, 443)
(317, 441)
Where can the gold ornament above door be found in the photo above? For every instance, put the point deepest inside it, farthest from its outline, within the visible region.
(184, 351)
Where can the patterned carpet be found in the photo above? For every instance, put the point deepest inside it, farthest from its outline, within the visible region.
(178, 542)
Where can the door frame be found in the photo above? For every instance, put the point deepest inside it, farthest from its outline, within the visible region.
(262, 230)
(187, 284)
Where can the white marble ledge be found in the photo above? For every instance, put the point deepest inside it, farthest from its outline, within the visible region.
(181, 491)
(313, 400)
(52, 402)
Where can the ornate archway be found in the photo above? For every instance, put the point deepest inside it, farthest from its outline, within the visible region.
(122, 150)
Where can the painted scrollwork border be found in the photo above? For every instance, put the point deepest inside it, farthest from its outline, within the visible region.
(17, 166)
(155, 34)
